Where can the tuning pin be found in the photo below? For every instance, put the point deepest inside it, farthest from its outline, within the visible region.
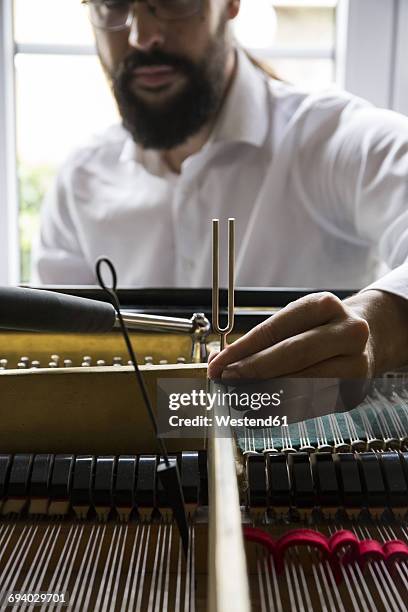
(26, 361)
(55, 359)
(181, 360)
(87, 359)
(86, 364)
(163, 362)
(3, 364)
(67, 363)
(53, 364)
(35, 364)
(117, 361)
(21, 366)
(148, 360)
(101, 362)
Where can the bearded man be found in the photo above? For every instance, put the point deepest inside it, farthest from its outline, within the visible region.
(318, 185)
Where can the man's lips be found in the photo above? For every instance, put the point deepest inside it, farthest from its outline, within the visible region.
(155, 76)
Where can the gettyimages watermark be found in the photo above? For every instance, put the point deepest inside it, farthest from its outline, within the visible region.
(190, 407)
(220, 408)
(222, 398)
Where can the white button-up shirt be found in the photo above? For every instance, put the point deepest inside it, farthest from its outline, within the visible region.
(318, 185)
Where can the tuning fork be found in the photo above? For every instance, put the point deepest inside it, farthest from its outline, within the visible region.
(223, 331)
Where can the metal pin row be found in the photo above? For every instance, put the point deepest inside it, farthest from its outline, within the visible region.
(56, 362)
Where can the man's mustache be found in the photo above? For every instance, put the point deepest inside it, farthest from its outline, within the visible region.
(141, 60)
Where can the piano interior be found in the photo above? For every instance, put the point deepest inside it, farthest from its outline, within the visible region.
(83, 514)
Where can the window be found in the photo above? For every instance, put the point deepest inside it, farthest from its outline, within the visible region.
(301, 46)
(61, 97)
(61, 100)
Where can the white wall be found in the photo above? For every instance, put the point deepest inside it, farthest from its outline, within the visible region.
(373, 51)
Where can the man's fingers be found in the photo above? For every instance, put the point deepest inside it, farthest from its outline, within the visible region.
(212, 356)
(344, 367)
(304, 314)
(304, 351)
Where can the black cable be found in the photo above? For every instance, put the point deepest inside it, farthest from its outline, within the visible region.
(115, 301)
(168, 473)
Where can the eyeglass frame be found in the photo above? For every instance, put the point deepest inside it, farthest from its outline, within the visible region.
(131, 14)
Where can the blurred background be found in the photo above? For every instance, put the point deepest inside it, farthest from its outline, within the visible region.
(59, 96)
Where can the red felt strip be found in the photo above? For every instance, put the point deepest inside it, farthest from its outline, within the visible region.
(341, 548)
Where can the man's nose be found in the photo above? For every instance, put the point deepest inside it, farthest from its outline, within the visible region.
(146, 32)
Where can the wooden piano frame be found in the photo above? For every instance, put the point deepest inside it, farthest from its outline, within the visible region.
(79, 410)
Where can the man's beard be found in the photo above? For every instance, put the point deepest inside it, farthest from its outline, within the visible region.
(166, 125)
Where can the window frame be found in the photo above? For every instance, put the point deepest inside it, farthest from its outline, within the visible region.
(389, 88)
(371, 21)
(400, 81)
(9, 204)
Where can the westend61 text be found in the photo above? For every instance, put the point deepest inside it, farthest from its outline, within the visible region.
(227, 421)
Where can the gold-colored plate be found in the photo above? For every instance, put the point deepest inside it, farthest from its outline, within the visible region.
(40, 347)
(84, 410)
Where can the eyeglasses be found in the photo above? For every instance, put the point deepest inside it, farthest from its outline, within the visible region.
(115, 15)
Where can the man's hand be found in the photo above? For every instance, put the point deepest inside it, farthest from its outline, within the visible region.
(321, 336)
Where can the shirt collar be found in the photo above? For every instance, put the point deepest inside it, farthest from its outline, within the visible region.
(243, 118)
